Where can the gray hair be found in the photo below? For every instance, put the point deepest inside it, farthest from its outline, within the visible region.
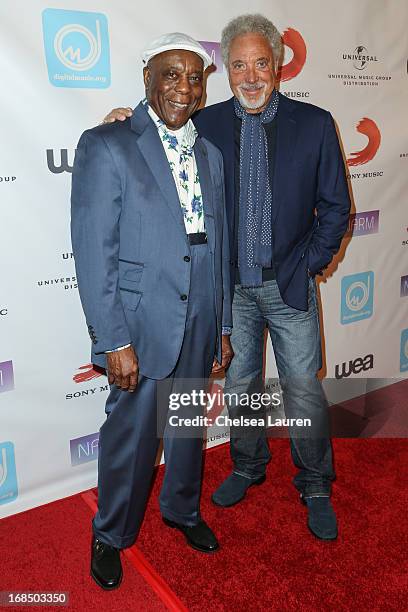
(248, 24)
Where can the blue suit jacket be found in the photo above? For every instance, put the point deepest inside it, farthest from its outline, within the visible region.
(310, 202)
(129, 241)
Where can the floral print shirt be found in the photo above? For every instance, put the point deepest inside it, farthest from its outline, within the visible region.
(178, 146)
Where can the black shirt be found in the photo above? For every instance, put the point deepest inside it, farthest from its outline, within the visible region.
(270, 129)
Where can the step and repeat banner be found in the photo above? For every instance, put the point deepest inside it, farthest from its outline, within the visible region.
(63, 66)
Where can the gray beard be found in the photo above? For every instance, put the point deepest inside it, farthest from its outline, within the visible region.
(251, 105)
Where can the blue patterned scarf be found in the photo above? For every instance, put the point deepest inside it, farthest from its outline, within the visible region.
(255, 194)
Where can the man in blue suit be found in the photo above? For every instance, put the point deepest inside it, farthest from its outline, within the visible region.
(151, 250)
(287, 209)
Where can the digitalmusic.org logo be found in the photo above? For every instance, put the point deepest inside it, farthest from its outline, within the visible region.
(357, 297)
(368, 128)
(8, 473)
(404, 351)
(214, 51)
(6, 376)
(76, 48)
(293, 40)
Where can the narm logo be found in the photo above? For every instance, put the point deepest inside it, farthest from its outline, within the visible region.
(404, 286)
(214, 51)
(64, 165)
(363, 223)
(84, 449)
(360, 364)
(6, 376)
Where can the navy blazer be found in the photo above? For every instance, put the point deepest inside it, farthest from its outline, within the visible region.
(130, 244)
(310, 197)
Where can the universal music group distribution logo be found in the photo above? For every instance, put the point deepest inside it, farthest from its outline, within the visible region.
(361, 69)
(76, 47)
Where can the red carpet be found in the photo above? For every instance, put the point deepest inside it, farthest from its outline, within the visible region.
(268, 560)
(47, 549)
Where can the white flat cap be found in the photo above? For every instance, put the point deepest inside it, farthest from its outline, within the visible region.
(175, 40)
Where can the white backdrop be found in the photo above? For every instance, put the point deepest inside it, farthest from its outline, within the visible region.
(348, 57)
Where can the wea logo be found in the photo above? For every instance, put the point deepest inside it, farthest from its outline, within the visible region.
(354, 366)
(76, 48)
(8, 474)
(357, 297)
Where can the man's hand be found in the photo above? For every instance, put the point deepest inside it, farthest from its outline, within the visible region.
(123, 369)
(227, 355)
(119, 114)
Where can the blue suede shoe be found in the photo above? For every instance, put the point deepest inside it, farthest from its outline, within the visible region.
(234, 489)
(321, 518)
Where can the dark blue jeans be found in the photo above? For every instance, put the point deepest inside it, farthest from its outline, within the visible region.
(295, 337)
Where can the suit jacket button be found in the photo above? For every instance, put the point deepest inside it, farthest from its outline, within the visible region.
(187, 258)
(183, 297)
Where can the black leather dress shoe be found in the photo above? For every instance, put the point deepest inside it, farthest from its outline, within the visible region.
(106, 568)
(200, 537)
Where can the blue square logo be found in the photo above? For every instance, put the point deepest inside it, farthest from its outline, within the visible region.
(404, 351)
(8, 474)
(357, 297)
(76, 48)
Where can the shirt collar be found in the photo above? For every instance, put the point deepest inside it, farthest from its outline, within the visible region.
(186, 135)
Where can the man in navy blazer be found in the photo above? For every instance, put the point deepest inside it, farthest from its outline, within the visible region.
(287, 210)
(150, 242)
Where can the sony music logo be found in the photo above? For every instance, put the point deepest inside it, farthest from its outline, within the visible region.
(360, 364)
(87, 392)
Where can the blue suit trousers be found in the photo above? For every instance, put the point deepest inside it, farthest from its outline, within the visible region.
(130, 436)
